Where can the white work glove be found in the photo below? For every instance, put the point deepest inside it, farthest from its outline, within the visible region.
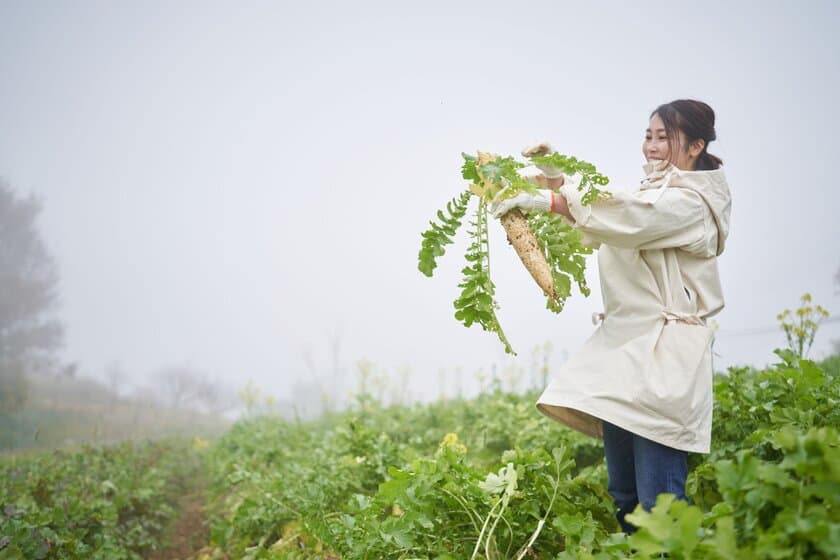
(540, 202)
(532, 175)
(542, 149)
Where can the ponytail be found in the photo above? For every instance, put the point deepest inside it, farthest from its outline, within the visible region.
(707, 161)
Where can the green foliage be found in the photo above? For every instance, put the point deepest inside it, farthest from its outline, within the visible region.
(750, 403)
(771, 486)
(469, 169)
(788, 508)
(441, 234)
(100, 502)
(767, 509)
(561, 245)
(399, 483)
(589, 176)
(477, 303)
(831, 365)
(671, 527)
(490, 177)
(488, 477)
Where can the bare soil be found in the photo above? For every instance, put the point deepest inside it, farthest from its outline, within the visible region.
(190, 532)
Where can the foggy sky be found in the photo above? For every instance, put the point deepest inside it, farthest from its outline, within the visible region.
(234, 186)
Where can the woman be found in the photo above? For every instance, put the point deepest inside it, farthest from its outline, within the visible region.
(643, 380)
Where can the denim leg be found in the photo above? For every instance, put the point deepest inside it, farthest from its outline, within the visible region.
(621, 470)
(659, 469)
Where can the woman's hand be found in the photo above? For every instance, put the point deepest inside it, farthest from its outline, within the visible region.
(543, 201)
(539, 202)
(541, 180)
(552, 177)
(560, 205)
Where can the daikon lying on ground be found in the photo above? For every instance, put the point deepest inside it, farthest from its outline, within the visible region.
(550, 249)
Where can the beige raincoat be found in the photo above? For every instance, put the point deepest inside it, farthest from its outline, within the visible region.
(647, 368)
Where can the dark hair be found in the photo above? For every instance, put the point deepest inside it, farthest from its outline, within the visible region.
(697, 121)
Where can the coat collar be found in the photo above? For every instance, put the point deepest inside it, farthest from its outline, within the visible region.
(657, 174)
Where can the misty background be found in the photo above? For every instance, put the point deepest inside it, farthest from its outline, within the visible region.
(237, 190)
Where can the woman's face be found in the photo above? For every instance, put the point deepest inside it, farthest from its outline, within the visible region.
(656, 146)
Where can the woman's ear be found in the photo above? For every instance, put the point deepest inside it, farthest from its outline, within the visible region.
(696, 147)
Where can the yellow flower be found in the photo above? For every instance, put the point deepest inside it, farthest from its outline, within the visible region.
(450, 441)
(199, 443)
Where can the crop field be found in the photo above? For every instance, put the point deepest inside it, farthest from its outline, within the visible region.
(99, 502)
(488, 477)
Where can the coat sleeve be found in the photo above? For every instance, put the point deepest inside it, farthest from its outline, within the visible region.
(669, 217)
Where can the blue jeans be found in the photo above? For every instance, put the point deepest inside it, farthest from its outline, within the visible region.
(639, 469)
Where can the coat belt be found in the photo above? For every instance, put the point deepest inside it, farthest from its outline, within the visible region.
(670, 317)
(690, 318)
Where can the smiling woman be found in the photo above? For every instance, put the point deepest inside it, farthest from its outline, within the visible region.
(684, 128)
(643, 380)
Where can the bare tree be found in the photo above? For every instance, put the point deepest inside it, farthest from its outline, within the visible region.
(180, 386)
(214, 396)
(187, 388)
(116, 378)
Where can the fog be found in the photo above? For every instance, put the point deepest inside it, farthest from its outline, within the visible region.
(239, 187)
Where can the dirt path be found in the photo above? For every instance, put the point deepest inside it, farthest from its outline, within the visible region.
(190, 532)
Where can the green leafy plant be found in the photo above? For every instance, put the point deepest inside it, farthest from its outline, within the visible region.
(477, 302)
(565, 254)
(590, 179)
(99, 502)
(441, 233)
(445, 479)
(397, 482)
(496, 177)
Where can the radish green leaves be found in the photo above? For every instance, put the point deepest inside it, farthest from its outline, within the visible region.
(491, 176)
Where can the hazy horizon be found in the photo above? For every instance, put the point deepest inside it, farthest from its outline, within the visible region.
(239, 187)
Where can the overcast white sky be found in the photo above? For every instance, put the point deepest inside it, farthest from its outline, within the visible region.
(231, 185)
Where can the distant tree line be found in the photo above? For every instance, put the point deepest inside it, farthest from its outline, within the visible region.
(31, 333)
